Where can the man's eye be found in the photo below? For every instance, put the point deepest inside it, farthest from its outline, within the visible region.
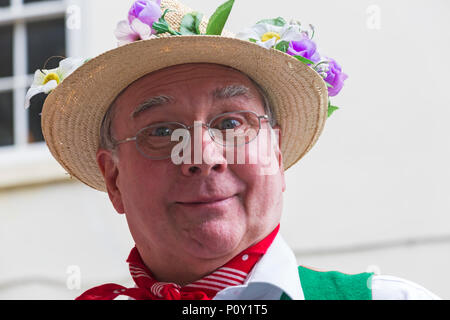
(227, 124)
(161, 132)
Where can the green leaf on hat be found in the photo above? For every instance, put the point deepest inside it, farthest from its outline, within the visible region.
(279, 22)
(190, 24)
(282, 46)
(162, 26)
(331, 109)
(304, 60)
(219, 18)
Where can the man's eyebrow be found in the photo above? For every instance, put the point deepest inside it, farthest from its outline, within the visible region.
(232, 91)
(152, 102)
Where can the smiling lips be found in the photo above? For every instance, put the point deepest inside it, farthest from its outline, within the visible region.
(210, 201)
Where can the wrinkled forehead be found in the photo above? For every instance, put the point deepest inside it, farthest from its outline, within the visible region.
(178, 75)
(165, 85)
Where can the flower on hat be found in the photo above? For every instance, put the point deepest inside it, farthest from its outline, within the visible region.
(138, 26)
(47, 80)
(304, 47)
(127, 33)
(146, 20)
(292, 40)
(270, 33)
(335, 77)
(146, 11)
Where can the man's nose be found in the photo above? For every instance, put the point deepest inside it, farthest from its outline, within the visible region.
(206, 155)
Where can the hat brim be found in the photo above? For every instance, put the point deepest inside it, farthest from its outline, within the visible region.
(73, 112)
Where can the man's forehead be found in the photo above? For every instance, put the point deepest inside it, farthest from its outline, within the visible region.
(166, 86)
(185, 74)
(219, 93)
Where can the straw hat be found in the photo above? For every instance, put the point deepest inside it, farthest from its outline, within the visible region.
(73, 112)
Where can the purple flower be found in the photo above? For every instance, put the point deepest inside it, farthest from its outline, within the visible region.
(335, 77)
(138, 26)
(305, 48)
(126, 33)
(146, 11)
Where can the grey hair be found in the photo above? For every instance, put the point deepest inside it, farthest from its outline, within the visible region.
(107, 141)
(267, 106)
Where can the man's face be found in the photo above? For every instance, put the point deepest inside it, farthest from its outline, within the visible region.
(193, 211)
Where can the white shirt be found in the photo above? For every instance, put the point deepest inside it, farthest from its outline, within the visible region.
(277, 272)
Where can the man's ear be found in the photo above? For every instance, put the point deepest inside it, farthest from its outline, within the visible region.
(110, 172)
(277, 131)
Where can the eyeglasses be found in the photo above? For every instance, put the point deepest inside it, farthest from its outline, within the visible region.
(230, 129)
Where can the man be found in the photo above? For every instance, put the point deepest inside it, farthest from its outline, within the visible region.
(199, 216)
(206, 213)
(205, 227)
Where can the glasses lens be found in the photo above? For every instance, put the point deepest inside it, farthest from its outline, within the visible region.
(155, 141)
(235, 128)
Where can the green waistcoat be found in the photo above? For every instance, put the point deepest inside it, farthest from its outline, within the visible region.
(333, 285)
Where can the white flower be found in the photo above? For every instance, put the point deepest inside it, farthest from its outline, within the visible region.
(126, 33)
(47, 80)
(268, 35)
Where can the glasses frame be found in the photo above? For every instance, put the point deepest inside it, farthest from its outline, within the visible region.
(206, 125)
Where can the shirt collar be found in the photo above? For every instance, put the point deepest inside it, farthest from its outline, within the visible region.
(276, 272)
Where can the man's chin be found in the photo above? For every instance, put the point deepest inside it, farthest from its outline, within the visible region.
(214, 239)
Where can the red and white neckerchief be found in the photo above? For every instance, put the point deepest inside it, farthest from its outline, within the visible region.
(234, 272)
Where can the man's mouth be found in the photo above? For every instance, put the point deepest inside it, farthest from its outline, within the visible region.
(207, 201)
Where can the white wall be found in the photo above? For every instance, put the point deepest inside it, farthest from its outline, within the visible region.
(46, 230)
(375, 189)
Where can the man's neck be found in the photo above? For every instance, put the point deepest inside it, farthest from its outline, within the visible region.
(188, 269)
(172, 269)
